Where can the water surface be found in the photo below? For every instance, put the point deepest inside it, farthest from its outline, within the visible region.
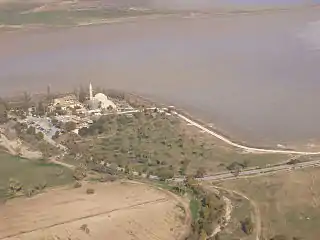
(256, 76)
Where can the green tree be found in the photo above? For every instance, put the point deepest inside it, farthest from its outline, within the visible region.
(31, 130)
(14, 186)
(201, 172)
(41, 111)
(39, 136)
(70, 126)
(82, 94)
(3, 113)
(26, 101)
(203, 235)
(165, 173)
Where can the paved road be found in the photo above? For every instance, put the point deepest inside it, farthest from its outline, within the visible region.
(237, 145)
(259, 171)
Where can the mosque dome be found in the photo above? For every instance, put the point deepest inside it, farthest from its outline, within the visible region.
(104, 101)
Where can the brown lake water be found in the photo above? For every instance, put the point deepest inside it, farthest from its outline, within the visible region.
(255, 76)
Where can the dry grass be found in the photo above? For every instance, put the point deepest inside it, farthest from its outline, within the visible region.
(289, 202)
(121, 210)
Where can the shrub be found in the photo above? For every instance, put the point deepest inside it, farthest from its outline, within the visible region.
(90, 191)
(39, 136)
(77, 184)
(79, 173)
(30, 192)
(14, 186)
(84, 227)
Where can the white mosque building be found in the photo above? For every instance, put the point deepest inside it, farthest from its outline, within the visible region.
(99, 101)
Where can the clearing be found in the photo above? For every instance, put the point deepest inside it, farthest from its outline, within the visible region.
(123, 210)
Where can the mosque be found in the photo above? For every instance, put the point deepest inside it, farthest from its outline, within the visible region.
(99, 101)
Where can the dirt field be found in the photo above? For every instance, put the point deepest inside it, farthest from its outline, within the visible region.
(288, 202)
(121, 210)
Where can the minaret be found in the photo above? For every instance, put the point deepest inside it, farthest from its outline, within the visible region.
(90, 91)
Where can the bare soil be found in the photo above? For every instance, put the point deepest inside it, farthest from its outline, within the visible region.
(118, 210)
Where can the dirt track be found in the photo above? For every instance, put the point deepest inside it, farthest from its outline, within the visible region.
(121, 210)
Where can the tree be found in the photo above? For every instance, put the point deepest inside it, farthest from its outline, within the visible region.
(203, 235)
(82, 95)
(26, 101)
(14, 186)
(49, 94)
(70, 126)
(56, 135)
(79, 173)
(164, 173)
(31, 130)
(84, 227)
(247, 227)
(39, 136)
(3, 113)
(41, 109)
(90, 191)
(201, 172)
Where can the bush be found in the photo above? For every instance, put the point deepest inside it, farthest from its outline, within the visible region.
(79, 173)
(90, 191)
(31, 130)
(70, 126)
(84, 227)
(41, 186)
(108, 178)
(14, 186)
(39, 136)
(30, 192)
(164, 173)
(201, 172)
(77, 184)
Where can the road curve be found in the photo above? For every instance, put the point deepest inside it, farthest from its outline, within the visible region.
(237, 145)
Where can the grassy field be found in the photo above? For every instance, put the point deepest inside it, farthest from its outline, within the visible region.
(288, 202)
(156, 143)
(30, 173)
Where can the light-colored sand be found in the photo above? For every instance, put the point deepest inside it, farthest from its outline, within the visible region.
(116, 211)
